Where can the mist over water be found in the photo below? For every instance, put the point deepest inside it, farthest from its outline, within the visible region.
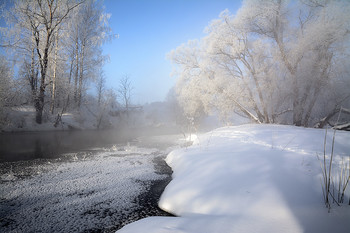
(52, 144)
(108, 178)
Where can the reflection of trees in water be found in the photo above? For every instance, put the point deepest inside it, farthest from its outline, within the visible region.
(58, 140)
(49, 145)
(38, 152)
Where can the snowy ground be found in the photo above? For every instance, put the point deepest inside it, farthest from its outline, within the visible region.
(251, 178)
(98, 192)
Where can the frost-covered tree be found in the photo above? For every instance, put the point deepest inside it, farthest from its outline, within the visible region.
(5, 80)
(189, 87)
(125, 92)
(241, 63)
(104, 108)
(307, 40)
(36, 23)
(273, 61)
(88, 30)
(5, 86)
(57, 45)
(100, 87)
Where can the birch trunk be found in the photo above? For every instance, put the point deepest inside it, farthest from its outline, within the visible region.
(81, 76)
(53, 91)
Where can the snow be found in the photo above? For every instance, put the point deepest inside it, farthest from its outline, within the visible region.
(22, 119)
(192, 138)
(84, 195)
(251, 178)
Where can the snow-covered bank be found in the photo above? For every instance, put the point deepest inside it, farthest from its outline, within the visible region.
(251, 178)
(22, 119)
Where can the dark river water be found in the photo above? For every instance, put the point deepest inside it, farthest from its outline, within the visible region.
(52, 144)
(26, 154)
(47, 145)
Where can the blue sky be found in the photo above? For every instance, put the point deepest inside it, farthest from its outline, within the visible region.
(148, 30)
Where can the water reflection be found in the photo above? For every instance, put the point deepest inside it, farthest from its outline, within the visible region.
(50, 145)
(35, 145)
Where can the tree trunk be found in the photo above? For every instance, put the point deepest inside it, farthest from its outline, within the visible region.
(325, 120)
(76, 76)
(44, 21)
(278, 37)
(262, 117)
(247, 112)
(41, 98)
(33, 79)
(53, 91)
(81, 76)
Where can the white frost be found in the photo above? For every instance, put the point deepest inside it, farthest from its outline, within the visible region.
(78, 195)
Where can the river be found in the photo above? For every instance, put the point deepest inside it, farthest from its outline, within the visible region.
(52, 144)
(82, 181)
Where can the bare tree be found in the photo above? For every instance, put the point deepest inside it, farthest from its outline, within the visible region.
(125, 92)
(100, 87)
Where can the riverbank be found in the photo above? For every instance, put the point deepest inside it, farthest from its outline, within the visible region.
(256, 178)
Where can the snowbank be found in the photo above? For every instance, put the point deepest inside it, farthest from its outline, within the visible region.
(251, 178)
